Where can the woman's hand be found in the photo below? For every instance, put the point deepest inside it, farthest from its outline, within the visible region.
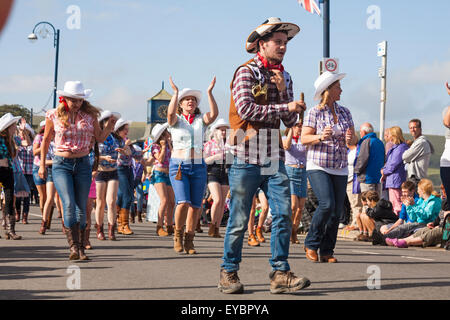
(211, 85)
(174, 87)
(110, 124)
(42, 172)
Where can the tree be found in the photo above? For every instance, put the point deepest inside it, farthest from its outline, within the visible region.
(16, 110)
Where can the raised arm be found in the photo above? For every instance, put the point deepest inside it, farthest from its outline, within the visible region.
(172, 109)
(211, 116)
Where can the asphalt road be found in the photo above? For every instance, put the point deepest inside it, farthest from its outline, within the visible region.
(144, 266)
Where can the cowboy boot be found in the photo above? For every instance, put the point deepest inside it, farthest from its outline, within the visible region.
(211, 230)
(24, 218)
(17, 215)
(87, 243)
(73, 238)
(294, 238)
(189, 243)
(126, 225)
(43, 227)
(178, 240)
(111, 231)
(161, 232)
(119, 221)
(139, 216)
(49, 221)
(133, 215)
(10, 228)
(217, 233)
(198, 228)
(100, 233)
(170, 230)
(259, 235)
(82, 247)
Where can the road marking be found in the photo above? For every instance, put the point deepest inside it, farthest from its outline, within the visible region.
(367, 252)
(426, 259)
(35, 215)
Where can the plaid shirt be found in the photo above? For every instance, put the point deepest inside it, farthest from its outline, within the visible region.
(108, 148)
(156, 148)
(329, 153)
(25, 156)
(38, 140)
(77, 137)
(126, 161)
(211, 148)
(269, 114)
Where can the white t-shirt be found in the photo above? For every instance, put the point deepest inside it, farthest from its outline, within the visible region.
(445, 158)
(351, 156)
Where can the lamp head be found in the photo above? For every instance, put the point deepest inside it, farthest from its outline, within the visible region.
(32, 37)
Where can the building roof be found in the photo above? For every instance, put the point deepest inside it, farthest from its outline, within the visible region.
(161, 95)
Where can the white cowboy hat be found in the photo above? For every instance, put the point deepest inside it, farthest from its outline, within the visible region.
(42, 123)
(7, 120)
(74, 89)
(270, 25)
(187, 92)
(158, 130)
(121, 122)
(219, 123)
(106, 114)
(324, 81)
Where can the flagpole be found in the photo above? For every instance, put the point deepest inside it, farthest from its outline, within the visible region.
(326, 28)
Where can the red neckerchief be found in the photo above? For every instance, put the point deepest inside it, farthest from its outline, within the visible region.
(269, 66)
(295, 138)
(189, 117)
(61, 99)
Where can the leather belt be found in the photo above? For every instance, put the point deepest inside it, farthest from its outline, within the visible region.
(298, 166)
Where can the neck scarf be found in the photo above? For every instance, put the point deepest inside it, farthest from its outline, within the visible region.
(189, 117)
(268, 65)
(295, 138)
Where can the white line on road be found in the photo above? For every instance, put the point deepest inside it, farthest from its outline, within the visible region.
(366, 252)
(426, 259)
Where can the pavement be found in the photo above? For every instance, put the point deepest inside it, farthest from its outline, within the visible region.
(144, 266)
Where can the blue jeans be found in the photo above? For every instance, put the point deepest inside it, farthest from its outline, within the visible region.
(126, 184)
(139, 198)
(244, 180)
(72, 179)
(330, 191)
(191, 188)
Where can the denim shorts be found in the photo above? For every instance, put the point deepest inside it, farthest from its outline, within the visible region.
(160, 177)
(191, 188)
(105, 176)
(37, 180)
(218, 173)
(298, 181)
(49, 174)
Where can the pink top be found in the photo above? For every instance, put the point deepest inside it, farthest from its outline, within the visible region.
(156, 148)
(77, 137)
(211, 148)
(38, 140)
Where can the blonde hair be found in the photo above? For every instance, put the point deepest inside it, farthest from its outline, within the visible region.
(86, 107)
(397, 135)
(325, 96)
(427, 186)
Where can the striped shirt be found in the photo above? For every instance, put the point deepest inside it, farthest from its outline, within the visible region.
(330, 153)
(25, 156)
(249, 110)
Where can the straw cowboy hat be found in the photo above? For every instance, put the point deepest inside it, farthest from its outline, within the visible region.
(324, 81)
(7, 120)
(74, 89)
(187, 92)
(121, 122)
(158, 130)
(106, 114)
(270, 25)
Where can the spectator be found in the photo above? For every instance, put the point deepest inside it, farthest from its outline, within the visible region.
(445, 158)
(379, 213)
(393, 172)
(369, 159)
(417, 157)
(353, 190)
(363, 230)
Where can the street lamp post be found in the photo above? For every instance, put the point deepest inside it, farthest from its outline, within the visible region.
(33, 37)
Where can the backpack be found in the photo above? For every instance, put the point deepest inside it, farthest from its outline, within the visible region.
(445, 242)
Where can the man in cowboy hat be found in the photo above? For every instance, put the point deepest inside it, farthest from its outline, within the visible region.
(261, 97)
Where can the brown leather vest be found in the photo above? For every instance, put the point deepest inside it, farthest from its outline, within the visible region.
(250, 128)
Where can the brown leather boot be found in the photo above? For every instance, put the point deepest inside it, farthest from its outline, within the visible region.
(189, 243)
(10, 228)
(252, 241)
(82, 247)
(161, 232)
(49, 221)
(198, 229)
(125, 214)
(100, 233)
(25, 218)
(17, 215)
(133, 216)
(217, 233)
(43, 227)
(259, 235)
(178, 240)
(170, 230)
(211, 230)
(294, 238)
(73, 238)
(64, 229)
(87, 243)
(119, 221)
(286, 281)
(112, 231)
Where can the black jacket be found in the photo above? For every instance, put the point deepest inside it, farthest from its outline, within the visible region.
(382, 212)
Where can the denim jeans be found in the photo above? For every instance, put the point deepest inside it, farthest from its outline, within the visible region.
(330, 191)
(139, 198)
(72, 179)
(445, 178)
(244, 180)
(126, 184)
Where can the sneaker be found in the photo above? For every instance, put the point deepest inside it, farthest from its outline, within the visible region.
(400, 243)
(390, 242)
(286, 281)
(229, 282)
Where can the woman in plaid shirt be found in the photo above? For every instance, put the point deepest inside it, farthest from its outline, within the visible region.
(327, 130)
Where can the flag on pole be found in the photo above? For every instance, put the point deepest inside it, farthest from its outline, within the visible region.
(310, 6)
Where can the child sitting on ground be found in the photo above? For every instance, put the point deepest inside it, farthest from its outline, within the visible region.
(380, 212)
(362, 229)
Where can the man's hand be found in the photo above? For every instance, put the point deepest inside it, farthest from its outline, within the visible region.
(278, 79)
(296, 106)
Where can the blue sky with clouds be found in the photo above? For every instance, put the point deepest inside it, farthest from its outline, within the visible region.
(125, 49)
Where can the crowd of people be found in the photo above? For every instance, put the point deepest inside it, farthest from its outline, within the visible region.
(82, 160)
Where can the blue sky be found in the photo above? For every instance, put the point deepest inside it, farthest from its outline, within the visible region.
(125, 49)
